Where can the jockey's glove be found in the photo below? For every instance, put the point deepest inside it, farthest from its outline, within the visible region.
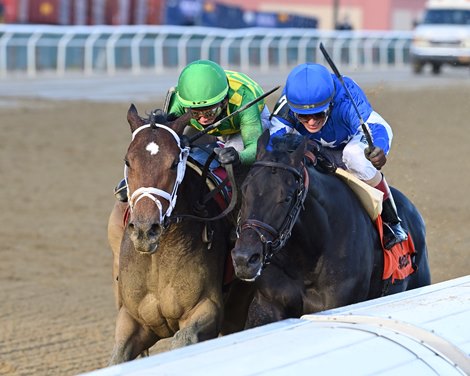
(227, 155)
(376, 156)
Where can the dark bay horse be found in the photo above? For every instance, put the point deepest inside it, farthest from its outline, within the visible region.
(169, 269)
(334, 256)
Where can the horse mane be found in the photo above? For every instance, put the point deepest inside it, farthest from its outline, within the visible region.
(158, 116)
(285, 143)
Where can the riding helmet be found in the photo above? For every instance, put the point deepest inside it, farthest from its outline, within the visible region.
(202, 83)
(309, 89)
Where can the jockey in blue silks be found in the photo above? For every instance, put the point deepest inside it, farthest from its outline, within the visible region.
(314, 103)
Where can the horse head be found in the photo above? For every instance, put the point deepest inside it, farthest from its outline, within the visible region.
(272, 196)
(155, 164)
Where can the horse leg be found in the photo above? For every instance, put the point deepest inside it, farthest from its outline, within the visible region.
(237, 303)
(201, 324)
(115, 233)
(131, 339)
(277, 297)
(264, 311)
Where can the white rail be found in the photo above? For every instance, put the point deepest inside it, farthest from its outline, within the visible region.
(108, 49)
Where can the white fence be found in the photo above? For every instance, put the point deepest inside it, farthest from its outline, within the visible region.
(108, 49)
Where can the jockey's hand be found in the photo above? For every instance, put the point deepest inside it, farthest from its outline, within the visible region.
(376, 156)
(227, 155)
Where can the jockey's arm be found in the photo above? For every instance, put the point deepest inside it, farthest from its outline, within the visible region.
(380, 130)
(250, 129)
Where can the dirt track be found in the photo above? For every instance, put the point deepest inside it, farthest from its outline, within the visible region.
(59, 163)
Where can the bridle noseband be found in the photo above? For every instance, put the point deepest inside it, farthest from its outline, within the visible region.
(278, 238)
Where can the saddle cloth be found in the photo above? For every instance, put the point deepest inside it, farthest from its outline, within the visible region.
(398, 260)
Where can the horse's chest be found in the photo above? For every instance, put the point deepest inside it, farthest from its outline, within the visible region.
(161, 309)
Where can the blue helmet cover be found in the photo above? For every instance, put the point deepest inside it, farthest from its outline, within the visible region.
(309, 89)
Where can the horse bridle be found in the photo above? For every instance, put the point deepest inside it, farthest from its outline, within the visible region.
(154, 193)
(278, 238)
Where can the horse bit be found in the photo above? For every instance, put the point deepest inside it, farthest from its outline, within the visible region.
(280, 237)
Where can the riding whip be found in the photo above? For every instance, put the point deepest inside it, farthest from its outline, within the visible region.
(243, 108)
(337, 74)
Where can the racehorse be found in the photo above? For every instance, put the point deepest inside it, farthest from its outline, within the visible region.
(169, 257)
(334, 256)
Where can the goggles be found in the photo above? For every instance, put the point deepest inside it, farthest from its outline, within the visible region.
(303, 118)
(207, 113)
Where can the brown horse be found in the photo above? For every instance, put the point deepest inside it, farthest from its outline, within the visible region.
(168, 262)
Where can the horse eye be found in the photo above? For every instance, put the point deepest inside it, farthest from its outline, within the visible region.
(126, 162)
(175, 164)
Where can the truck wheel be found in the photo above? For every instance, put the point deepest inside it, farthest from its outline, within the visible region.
(417, 67)
(436, 68)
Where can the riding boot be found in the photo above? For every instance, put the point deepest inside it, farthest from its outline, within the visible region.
(393, 231)
(121, 191)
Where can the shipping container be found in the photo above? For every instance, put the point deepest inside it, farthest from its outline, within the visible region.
(82, 12)
(55, 12)
(222, 15)
(184, 12)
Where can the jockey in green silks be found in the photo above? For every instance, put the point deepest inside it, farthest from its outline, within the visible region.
(210, 93)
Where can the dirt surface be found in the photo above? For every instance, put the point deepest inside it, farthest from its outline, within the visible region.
(59, 162)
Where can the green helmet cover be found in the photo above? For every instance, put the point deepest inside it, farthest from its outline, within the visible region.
(202, 83)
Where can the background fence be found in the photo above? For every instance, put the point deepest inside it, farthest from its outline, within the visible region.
(109, 49)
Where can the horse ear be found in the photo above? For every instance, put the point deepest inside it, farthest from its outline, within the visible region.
(180, 123)
(133, 118)
(298, 155)
(263, 141)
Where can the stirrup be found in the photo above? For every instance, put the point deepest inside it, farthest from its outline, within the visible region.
(120, 192)
(393, 234)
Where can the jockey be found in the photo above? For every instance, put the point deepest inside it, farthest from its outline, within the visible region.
(209, 93)
(315, 103)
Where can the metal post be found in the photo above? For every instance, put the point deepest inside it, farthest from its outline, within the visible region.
(335, 13)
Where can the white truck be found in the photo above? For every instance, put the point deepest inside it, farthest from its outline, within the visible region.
(443, 36)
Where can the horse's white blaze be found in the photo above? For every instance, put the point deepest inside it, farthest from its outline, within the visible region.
(152, 148)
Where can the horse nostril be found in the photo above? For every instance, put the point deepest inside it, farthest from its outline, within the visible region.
(155, 229)
(254, 259)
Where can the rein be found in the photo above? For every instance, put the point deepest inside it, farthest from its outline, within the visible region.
(229, 168)
(278, 238)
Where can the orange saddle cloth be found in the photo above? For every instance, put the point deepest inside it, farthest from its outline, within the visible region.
(397, 261)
